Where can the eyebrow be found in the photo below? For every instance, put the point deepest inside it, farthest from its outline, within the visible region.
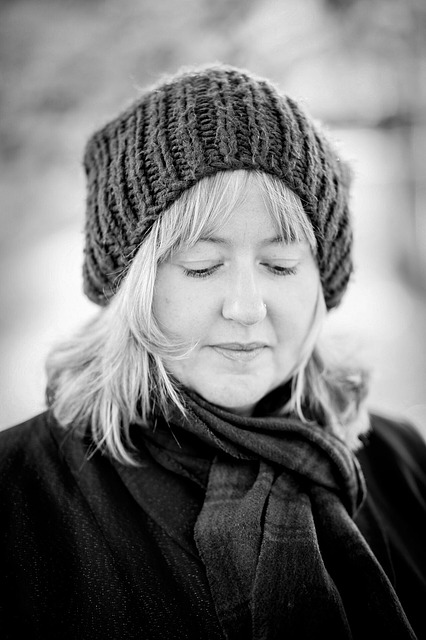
(223, 241)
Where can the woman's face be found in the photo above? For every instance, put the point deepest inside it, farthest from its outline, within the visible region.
(247, 299)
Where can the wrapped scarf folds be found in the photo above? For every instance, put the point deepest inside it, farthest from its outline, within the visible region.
(283, 556)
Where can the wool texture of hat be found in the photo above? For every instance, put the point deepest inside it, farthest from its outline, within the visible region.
(190, 126)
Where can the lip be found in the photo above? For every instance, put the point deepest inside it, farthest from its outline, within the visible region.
(240, 351)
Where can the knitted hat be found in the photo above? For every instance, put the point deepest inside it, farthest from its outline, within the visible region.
(193, 125)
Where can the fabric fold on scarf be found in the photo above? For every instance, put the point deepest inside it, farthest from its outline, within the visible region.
(283, 556)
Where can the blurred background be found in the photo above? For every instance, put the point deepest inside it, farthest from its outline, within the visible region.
(358, 65)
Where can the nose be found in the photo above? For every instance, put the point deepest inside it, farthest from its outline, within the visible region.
(243, 302)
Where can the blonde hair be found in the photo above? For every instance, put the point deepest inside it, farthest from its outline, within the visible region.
(111, 374)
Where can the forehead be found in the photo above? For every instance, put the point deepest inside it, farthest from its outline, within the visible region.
(249, 222)
(231, 208)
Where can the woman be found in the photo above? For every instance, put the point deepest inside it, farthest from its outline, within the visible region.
(203, 470)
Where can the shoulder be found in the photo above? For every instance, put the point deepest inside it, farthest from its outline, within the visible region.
(393, 443)
(393, 517)
(24, 439)
(393, 460)
(32, 462)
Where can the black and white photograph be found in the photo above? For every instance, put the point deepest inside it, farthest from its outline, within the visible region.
(213, 319)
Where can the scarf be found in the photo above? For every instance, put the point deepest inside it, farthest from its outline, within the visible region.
(283, 556)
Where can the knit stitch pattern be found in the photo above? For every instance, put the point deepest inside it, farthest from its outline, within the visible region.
(188, 127)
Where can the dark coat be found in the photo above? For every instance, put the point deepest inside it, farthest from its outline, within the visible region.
(82, 555)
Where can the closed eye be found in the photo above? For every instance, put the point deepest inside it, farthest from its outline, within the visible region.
(201, 273)
(208, 271)
(280, 271)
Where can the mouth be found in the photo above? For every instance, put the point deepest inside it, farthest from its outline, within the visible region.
(242, 352)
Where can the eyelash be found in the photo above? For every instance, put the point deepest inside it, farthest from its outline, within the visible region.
(205, 273)
(201, 273)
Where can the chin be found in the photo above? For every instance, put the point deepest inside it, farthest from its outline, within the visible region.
(234, 401)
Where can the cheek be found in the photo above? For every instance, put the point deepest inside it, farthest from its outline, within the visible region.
(170, 313)
(177, 312)
(297, 312)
